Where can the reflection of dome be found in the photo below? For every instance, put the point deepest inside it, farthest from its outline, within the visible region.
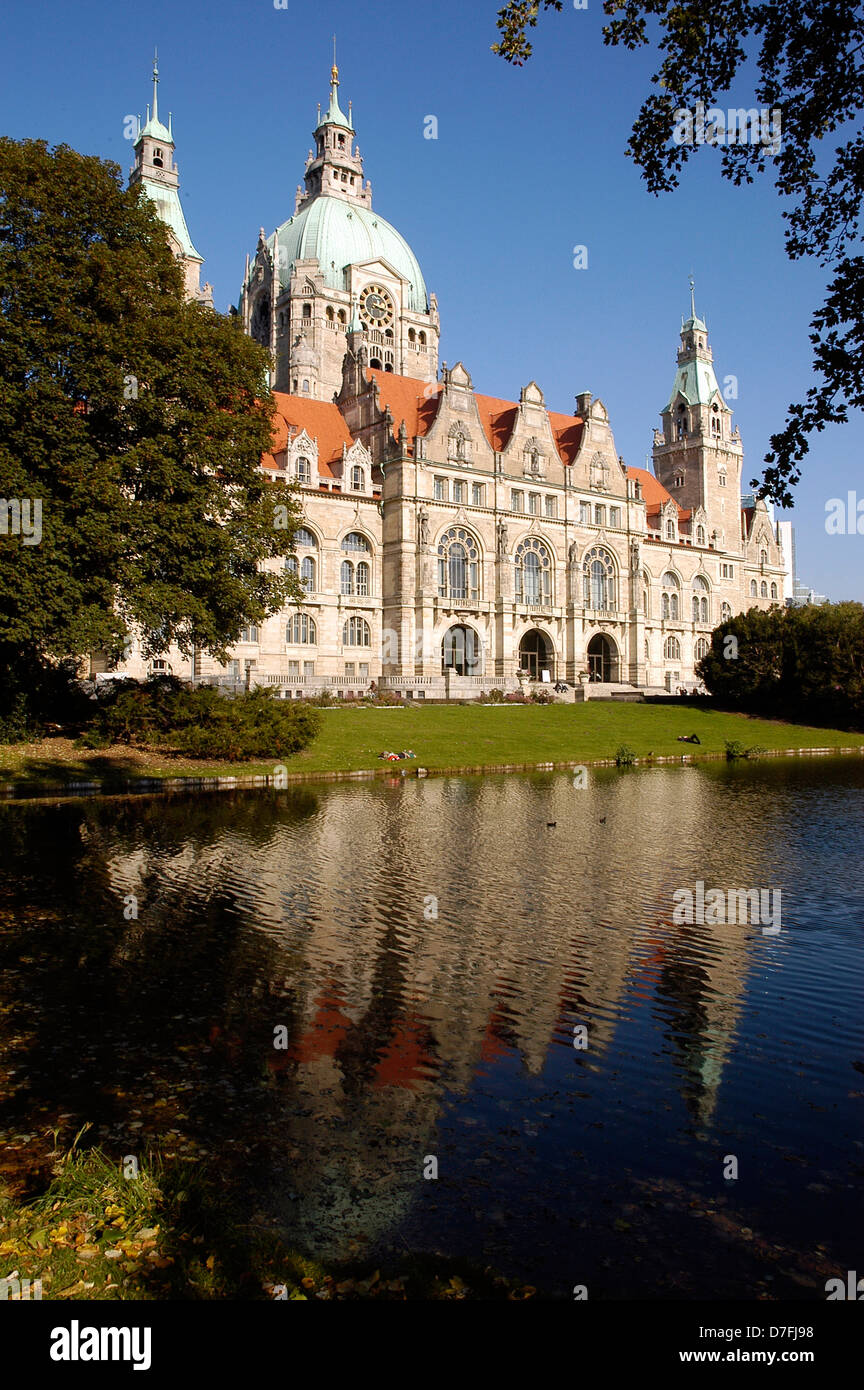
(337, 234)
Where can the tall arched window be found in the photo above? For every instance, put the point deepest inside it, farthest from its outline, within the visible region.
(462, 652)
(700, 599)
(356, 633)
(700, 651)
(773, 590)
(672, 649)
(458, 565)
(301, 630)
(598, 580)
(725, 612)
(346, 578)
(763, 589)
(700, 535)
(363, 573)
(753, 588)
(763, 558)
(357, 480)
(646, 595)
(304, 470)
(533, 572)
(670, 607)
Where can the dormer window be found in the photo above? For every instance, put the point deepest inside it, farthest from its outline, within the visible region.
(670, 530)
(357, 480)
(304, 470)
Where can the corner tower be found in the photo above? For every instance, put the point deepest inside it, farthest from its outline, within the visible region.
(697, 454)
(333, 263)
(157, 173)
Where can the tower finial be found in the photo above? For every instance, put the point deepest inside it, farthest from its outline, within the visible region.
(155, 84)
(692, 296)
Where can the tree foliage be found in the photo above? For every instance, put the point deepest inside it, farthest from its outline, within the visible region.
(135, 419)
(805, 664)
(809, 59)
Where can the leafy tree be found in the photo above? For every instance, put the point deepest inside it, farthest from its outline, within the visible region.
(809, 57)
(802, 663)
(136, 420)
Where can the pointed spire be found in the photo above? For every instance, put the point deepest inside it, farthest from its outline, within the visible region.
(155, 84)
(334, 115)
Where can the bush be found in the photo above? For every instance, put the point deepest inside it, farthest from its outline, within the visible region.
(199, 722)
(496, 697)
(625, 757)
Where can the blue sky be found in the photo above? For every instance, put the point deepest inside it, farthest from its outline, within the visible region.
(528, 164)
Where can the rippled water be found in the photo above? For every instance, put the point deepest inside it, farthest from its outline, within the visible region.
(429, 948)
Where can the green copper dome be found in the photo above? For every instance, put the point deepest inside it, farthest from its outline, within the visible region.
(337, 234)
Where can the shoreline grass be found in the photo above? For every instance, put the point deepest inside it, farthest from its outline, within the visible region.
(444, 737)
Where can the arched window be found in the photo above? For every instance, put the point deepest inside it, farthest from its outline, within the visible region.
(301, 630)
(725, 613)
(363, 574)
(357, 480)
(763, 558)
(354, 541)
(598, 580)
(533, 572)
(773, 590)
(307, 574)
(341, 316)
(356, 633)
(763, 589)
(670, 530)
(700, 651)
(647, 650)
(346, 577)
(412, 335)
(458, 565)
(646, 595)
(669, 604)
(753, 588)
(307, 311)
(700, 535)
(672, 649)
(700, 599)
(421, 338)
(303, 538)
(304, 470)
(331, 313)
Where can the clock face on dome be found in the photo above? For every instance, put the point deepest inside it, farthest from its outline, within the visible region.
(376, 306)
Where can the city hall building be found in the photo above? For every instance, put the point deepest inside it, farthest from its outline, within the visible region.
(454, 542)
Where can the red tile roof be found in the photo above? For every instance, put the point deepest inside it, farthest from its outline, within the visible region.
(322, 420)
(417, 405)
(410, 400)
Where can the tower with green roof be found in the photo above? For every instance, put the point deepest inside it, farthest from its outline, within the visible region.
(156, 172)
(697, 454)
(333, 264)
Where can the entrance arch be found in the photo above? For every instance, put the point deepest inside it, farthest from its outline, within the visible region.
(536, 655)
(602, 659)
(461, 651)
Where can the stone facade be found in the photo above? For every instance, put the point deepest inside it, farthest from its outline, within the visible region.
(454, 542)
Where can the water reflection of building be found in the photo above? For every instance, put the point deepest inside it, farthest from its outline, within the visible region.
(538, 928)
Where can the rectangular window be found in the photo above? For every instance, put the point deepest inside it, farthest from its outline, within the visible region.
(349, 670)
(478, 495)
(294, 670)
(551, 506)
(363, 670)
(459, 491)
(614, 516)
(726, 572)
(585, 513)
(599, 516)
(308, 670)
(517, 501)
(533, 500)
(722, 479)
(440, 489)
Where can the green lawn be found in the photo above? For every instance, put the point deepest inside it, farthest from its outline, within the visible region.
(446, 736)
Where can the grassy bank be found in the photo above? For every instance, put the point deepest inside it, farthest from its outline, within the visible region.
(171, 1232)
(444, 736)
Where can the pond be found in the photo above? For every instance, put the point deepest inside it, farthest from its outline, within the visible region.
(465, 1016)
